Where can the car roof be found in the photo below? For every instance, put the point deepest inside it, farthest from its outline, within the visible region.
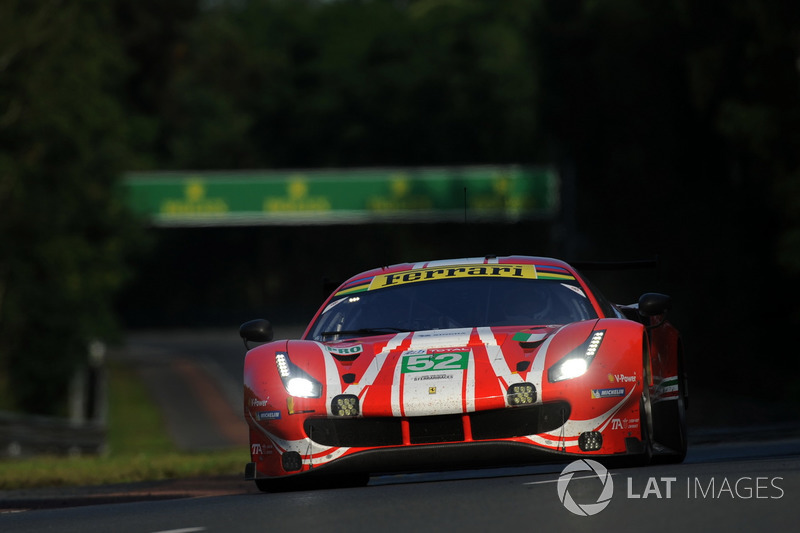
(543, 267)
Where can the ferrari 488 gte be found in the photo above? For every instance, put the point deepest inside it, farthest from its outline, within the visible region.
(465, 363)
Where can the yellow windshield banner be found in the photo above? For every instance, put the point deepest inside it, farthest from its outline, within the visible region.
(451, 272)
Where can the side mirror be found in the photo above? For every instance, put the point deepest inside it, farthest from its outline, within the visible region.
(258, 330)
(654, 304)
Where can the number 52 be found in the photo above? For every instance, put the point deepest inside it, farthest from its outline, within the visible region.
(439, 361)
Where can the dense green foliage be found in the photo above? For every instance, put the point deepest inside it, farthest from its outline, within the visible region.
(62, 229)
(674, 124)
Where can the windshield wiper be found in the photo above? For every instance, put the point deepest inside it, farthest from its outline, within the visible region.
(364, 331)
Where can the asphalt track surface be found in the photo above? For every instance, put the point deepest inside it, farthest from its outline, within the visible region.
(734, 479)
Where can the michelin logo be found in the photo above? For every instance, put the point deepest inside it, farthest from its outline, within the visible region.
(608, 393)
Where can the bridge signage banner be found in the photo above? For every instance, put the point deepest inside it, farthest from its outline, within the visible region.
(344, 196)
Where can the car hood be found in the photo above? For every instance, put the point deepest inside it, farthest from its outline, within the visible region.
(442, 371)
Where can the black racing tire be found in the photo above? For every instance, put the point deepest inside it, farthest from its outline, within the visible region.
(296, 483)
(641, 452)
(271, 485)
(670, 430)
(646, 421)
(646, 407)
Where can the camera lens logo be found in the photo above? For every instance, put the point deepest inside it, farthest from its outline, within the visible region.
(586, 509)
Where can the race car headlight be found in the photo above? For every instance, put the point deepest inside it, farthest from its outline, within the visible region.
(568, 369)
(301, 387)
(295, 380)
(521, 394)
(345, 405)
(590, 441)
(577, 362)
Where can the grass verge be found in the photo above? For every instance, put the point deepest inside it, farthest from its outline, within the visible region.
(139, 448)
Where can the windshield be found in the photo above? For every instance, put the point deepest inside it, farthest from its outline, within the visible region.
(453, 303)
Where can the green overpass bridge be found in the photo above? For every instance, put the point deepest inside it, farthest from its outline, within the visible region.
(498, 194)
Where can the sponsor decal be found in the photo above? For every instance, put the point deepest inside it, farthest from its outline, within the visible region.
(426, 377)
(348, 350)
(255, 449)
(608, 393)
(258, 403)
(625, 423)
(452, 272)
(448, 350)
(268, 415)
(446, 334)
(428, 362)
(575, 289)
(334, 304)
(621, 378)
(668, 385)
(431, 390)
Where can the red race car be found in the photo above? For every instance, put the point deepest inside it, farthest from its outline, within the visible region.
(461, 364)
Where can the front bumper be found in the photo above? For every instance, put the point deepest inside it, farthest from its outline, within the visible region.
(494, 424)
(439, 457)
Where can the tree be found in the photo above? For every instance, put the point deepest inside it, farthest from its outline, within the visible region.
(268, 83)
(63, 228)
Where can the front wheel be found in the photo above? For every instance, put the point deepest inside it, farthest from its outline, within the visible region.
(646, 424)
(671, 422)
(295, 483)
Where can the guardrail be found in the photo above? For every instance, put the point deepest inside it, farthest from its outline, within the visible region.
(26, 435)
(83, 432)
